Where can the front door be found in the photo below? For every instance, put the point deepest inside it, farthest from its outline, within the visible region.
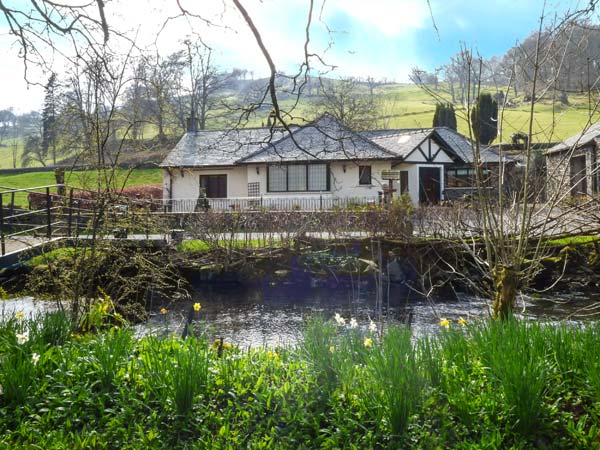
(215, 186)
(429, 185)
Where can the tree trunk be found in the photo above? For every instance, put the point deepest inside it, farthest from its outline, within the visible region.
(506, 283)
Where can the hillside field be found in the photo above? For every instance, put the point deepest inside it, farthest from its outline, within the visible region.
(398, 106)
(82, 179)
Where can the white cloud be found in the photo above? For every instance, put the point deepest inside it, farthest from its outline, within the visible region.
(390, 17)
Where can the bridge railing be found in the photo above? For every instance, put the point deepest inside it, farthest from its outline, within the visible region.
(62, 211)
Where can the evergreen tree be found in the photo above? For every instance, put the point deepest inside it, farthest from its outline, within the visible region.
(49, 125)
(444, 116)
(484, 119)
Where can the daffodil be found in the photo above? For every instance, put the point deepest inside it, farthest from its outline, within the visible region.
(372, 327)
(353, 323)
(368, 342)
(462, 322)
(339, 319)
(331, 349)
(20, 315)
(35, 358)
(444, 322)
(22, 337)
(163, 310)
(197, 306)
(272, 355)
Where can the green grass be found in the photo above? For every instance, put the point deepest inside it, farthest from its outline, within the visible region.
(200, 246)
(81, 179)
(6, 153)
(573, 240)
(484, 385)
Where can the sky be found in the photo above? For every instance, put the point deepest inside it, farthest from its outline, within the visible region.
(377, 38)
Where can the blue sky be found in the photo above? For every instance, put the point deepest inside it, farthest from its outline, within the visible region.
(380, 38)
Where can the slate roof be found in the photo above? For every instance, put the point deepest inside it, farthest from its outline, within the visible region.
(323, 139)
(218, 148)
(400, 142)
(578, 140)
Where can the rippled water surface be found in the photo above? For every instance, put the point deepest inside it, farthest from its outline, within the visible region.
(276, 315)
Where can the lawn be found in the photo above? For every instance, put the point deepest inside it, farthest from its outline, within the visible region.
(82, 179)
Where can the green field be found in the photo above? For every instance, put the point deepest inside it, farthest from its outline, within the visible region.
(82, 179)
(398, 106)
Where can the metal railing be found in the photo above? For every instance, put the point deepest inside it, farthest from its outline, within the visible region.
(46, 212)
(271, 203)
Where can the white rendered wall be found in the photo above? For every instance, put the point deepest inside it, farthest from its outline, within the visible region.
(185, 184)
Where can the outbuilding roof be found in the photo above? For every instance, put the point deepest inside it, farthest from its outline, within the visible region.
(578, 140)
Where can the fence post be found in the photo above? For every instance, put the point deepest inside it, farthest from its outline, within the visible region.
(11, 212)
(78, 221)
(2, 226)
(48, 213)
(70, 215)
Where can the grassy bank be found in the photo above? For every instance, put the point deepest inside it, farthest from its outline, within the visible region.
(490, 385)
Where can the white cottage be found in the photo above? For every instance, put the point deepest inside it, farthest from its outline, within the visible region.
(319, 164)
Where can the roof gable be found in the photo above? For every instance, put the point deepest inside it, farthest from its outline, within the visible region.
(323, 139)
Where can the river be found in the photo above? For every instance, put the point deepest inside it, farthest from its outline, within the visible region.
(275, 315)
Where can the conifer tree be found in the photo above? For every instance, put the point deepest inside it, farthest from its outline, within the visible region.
(49, 132)
(444, 116)
(484, 119)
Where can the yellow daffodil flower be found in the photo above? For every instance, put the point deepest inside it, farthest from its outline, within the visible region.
(444, 322)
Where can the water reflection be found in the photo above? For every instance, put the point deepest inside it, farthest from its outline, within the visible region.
(275, 315)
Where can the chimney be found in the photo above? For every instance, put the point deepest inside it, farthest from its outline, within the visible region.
(192, 124)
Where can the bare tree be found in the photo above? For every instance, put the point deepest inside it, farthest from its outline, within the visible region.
(348, 101)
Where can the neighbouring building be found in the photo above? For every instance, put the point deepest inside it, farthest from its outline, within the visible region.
(321, 164)
(572, 165)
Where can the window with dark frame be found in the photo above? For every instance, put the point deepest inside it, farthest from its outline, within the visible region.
(403, 181)
(364, 175)
(297, 178)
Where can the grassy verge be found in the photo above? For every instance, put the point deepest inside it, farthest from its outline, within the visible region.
(489, 385)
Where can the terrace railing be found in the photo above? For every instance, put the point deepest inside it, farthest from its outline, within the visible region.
(272, 203)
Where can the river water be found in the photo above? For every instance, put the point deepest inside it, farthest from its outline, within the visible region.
(272, 316)
(275, 315)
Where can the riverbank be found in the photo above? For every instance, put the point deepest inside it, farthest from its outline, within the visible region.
(488, 384)
(138, 276)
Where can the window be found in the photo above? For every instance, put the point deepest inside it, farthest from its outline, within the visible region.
(298, 177)
(364, 174)
(317, 177)
(213, 186)
(403, 181)
(277, 178)
(254, 189)
(466, 177)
